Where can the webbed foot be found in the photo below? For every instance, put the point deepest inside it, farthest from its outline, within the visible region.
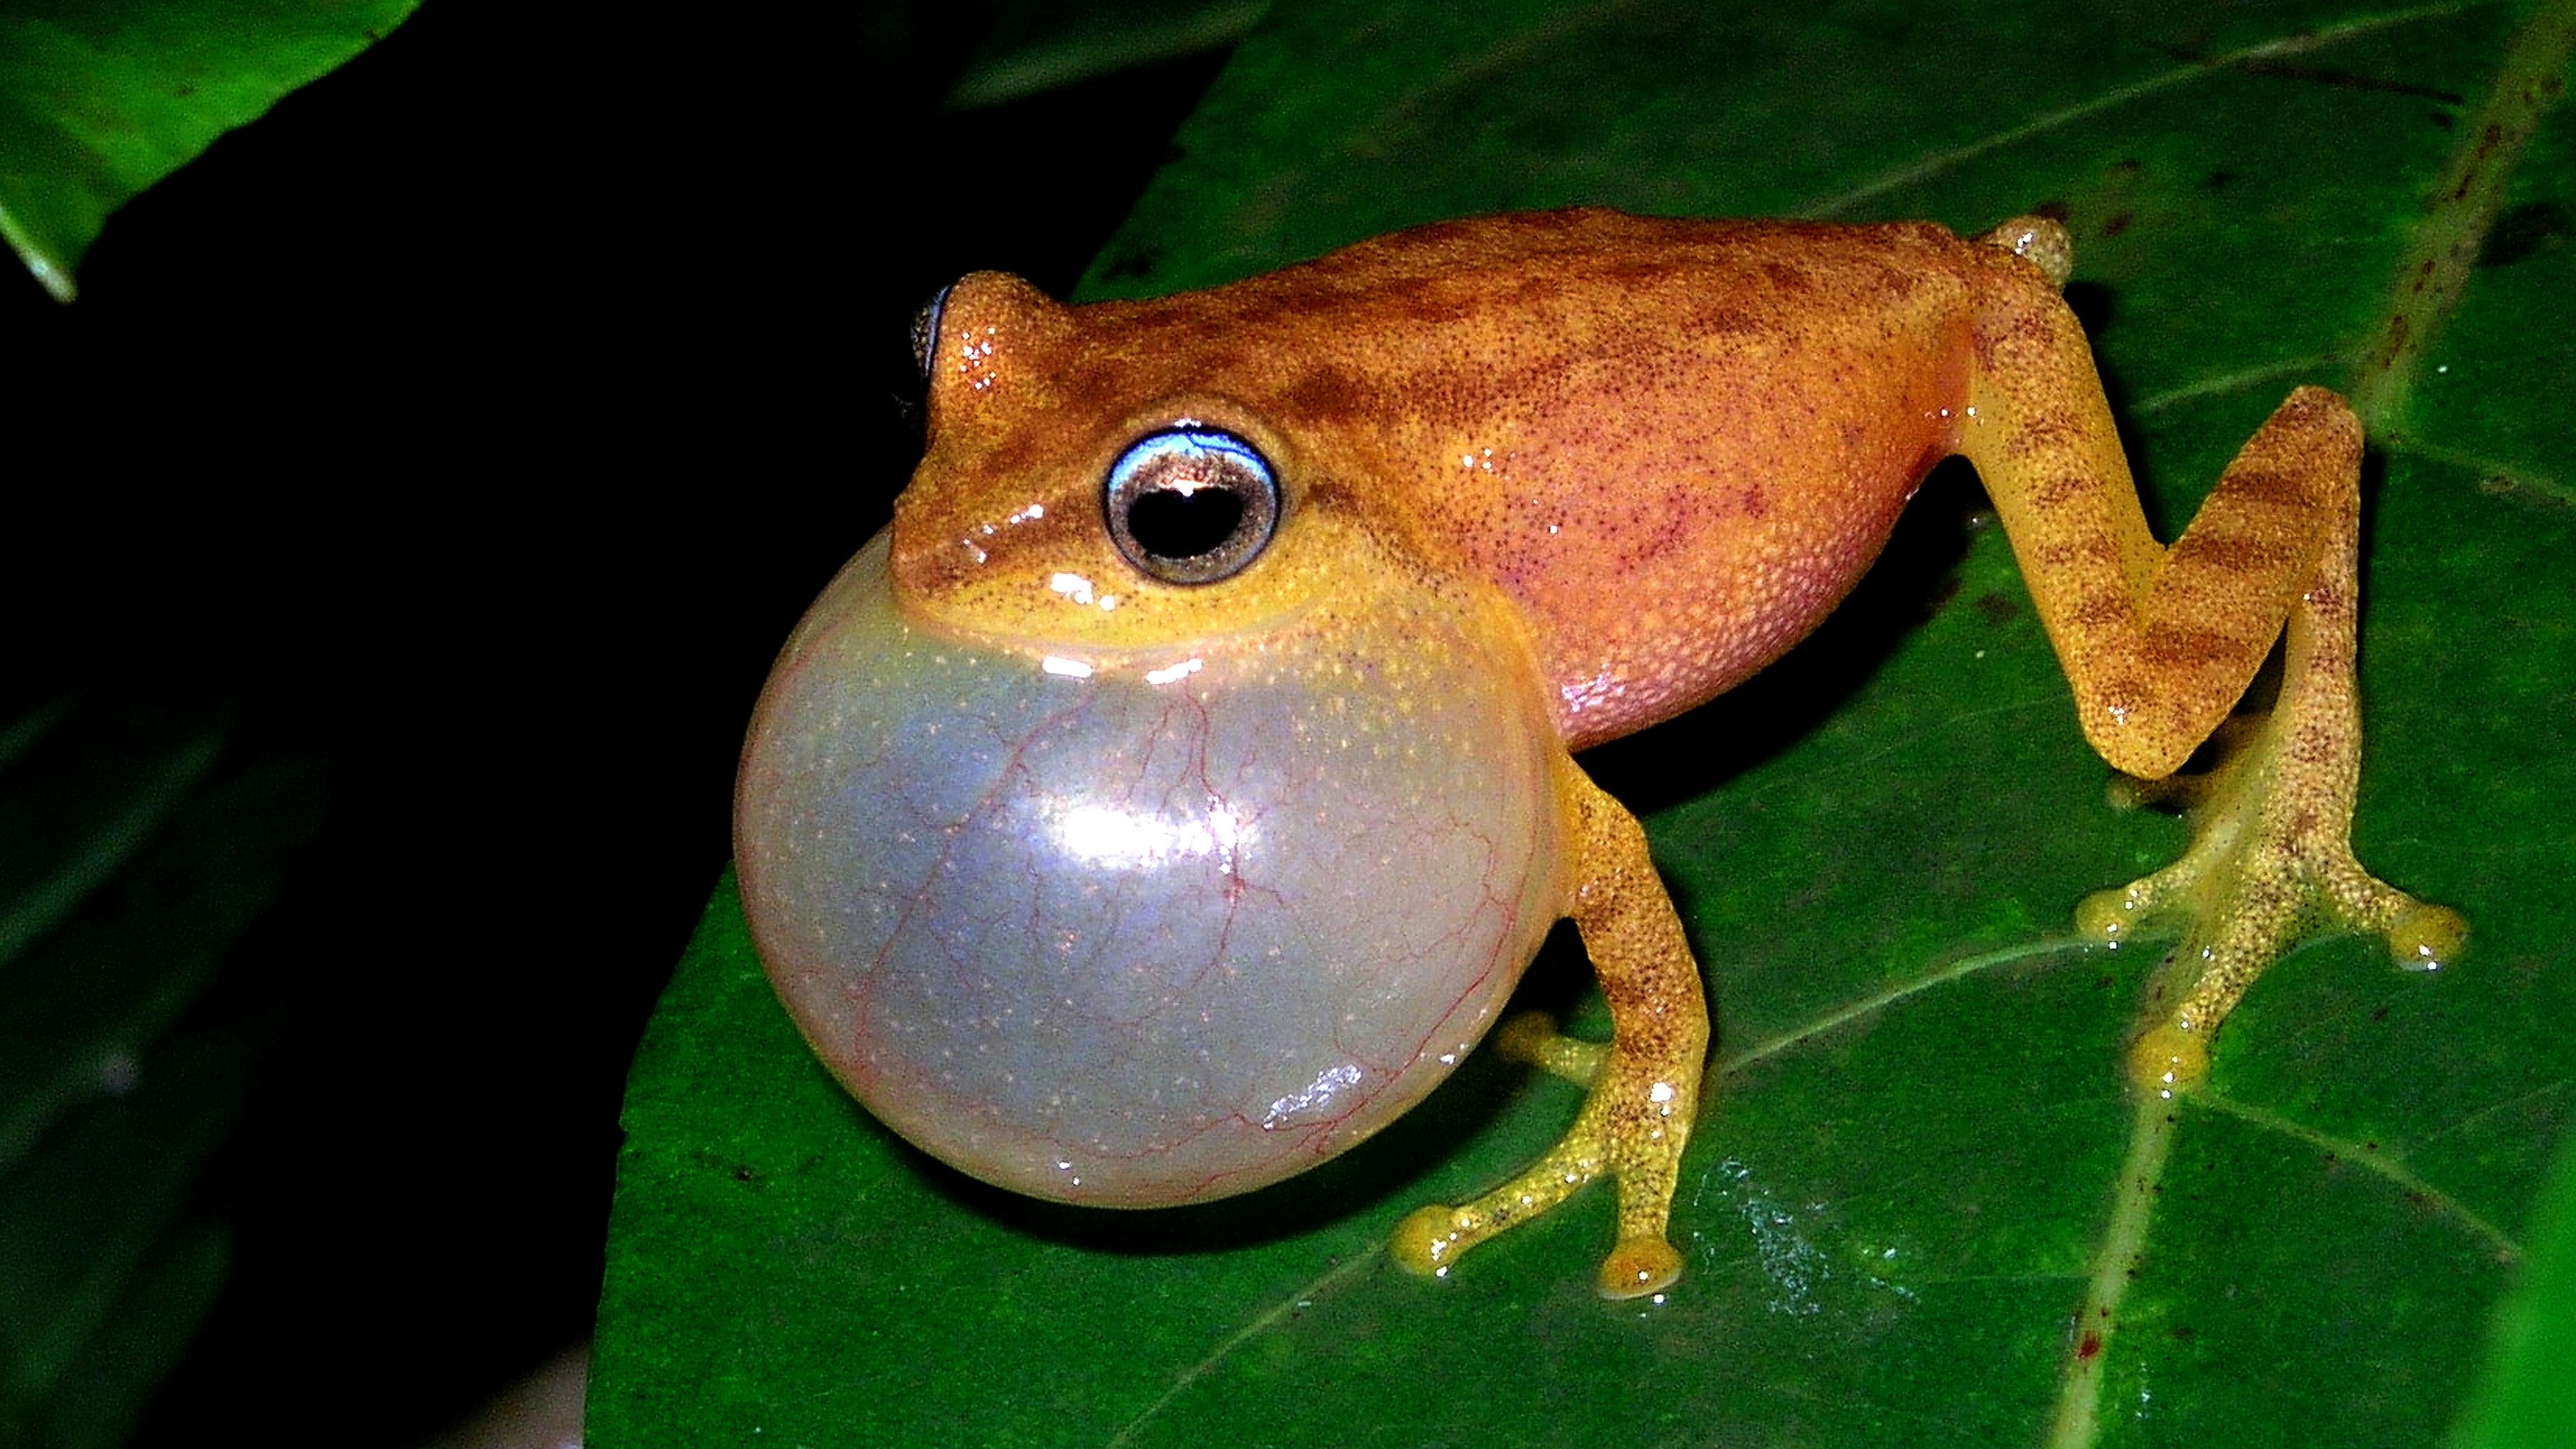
(2271, 862)
(1642, 1088)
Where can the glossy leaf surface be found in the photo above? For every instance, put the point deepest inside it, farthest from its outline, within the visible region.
(1919, 1133)
(1028, 46)
(101, 98)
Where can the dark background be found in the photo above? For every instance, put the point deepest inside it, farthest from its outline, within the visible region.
(484, 416)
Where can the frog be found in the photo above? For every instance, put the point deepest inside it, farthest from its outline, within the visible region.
(1175, 791)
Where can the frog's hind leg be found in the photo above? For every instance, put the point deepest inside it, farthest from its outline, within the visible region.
(2160, 643)
(2271, 848)
(1644, 1086)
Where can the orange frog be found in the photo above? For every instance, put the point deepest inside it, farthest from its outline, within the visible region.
(1176, 791)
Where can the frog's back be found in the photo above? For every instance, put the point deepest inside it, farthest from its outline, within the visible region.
(1674, 444)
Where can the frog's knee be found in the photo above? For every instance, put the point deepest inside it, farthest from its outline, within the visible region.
(2039, 240)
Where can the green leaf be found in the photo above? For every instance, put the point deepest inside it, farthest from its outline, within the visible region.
(2527, 1401)
(1026, 47)
(138, 842)
(1915, 1162)
(101, 98)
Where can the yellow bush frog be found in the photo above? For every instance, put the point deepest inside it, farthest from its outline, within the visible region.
(1177, 789)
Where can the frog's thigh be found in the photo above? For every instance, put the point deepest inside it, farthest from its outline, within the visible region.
(1644, 1087)
(2159, 645)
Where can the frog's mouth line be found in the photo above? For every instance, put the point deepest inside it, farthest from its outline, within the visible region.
(1071, 657)
(963, 622)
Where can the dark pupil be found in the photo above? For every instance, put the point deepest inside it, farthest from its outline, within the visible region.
(1172, 524)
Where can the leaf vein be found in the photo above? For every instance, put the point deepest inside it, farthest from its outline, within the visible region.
(2231, 381)
(1267, 1319)
(2514, 477)
(2433, 273)
(2297, 44)
(2554, 1087)
(2377, 1160)
(1729, 1062)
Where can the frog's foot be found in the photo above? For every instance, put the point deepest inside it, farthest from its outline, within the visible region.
(2270, 862)
(1431, 1239)
(1643, 1088)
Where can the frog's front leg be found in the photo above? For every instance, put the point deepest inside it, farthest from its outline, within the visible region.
(2160, 643)
(1644, 1085)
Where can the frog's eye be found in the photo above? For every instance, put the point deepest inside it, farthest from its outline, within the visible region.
(925, 330)
(1191, 505)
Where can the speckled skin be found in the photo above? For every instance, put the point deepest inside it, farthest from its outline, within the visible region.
(1642, 458)
(1765, 395)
